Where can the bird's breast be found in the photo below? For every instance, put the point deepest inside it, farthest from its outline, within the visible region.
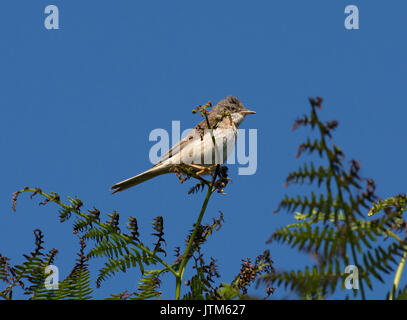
(203, 151)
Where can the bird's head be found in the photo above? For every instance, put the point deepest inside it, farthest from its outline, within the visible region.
(234, 107)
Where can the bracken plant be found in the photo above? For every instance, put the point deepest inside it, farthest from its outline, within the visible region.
(332, 222)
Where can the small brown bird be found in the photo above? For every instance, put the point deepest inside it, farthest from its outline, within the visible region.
(198, 148)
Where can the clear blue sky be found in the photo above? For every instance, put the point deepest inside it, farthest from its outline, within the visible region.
(77, 106)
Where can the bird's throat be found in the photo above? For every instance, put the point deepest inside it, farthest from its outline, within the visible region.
(237, 118)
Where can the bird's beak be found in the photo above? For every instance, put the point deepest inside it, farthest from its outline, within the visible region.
(248, 112)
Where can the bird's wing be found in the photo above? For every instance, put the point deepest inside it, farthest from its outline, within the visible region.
(195, 133)
(176, 148)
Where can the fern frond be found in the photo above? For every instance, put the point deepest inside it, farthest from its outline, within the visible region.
(309, 173)
(112, 266)
(332, 225)
(158, 225)
(4, 269)
(76, 286)
(113, 246)
(149, 285)
(315, 282)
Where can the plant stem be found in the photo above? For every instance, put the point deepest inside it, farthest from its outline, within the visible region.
(4, 296)
(399, 271)
(188, 252)
(340, 200)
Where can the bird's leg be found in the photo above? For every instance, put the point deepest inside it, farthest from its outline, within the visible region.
(196, 166)
(202, 169)
(190, 171)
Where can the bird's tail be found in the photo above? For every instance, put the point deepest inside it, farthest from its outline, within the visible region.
(147, 175)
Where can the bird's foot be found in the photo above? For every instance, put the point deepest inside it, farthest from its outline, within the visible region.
(202, 169)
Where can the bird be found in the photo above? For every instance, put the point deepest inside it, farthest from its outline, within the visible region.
(203, 148)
